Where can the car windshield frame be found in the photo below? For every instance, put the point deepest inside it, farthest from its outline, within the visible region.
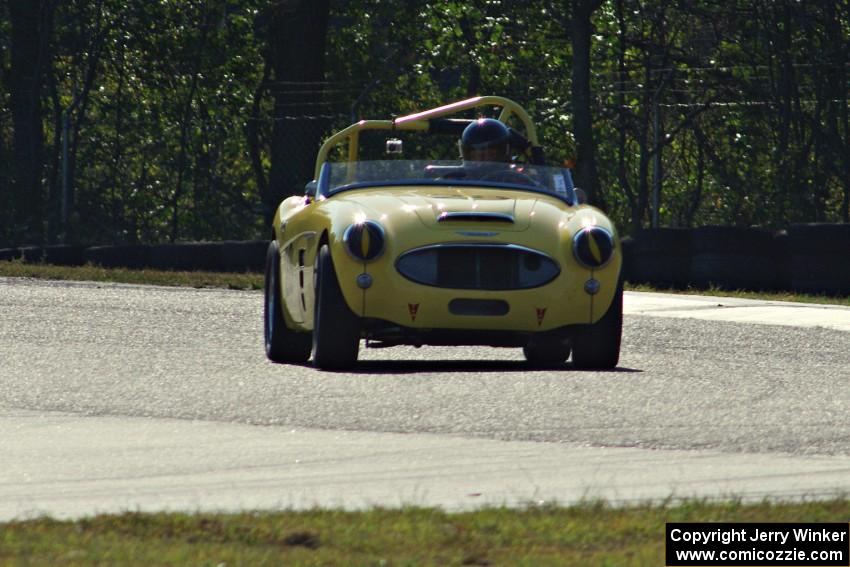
(341, 177)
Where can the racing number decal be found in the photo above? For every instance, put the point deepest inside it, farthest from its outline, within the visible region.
(413, 309)
(541, 313)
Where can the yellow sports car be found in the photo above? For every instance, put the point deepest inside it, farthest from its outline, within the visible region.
(495, 248)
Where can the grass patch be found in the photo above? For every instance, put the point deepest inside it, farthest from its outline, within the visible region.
(745, 294)
(18, 269)
(585, 534)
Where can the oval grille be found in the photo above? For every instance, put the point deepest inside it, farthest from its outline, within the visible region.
(478, 266)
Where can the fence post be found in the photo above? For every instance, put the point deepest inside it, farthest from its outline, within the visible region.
(656, 165)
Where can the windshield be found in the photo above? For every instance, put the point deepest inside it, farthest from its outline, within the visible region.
(344, 176)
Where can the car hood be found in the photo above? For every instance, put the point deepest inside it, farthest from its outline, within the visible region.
(541, 221)
(452, 208)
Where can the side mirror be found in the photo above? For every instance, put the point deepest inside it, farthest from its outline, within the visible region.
(311, 188)
(581, 196)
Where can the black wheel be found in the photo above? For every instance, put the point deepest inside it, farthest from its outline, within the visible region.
(282, 343)
(546, 353)
(597, 346)
(336, 329)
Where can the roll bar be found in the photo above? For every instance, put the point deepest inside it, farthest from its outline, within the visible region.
(420, 122)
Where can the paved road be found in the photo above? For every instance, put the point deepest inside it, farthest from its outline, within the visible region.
(712, 392)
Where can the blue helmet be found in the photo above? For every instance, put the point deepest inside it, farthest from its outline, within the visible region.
(485, 139)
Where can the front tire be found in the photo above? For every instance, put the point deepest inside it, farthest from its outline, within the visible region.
(597, 346)
(336, 329)
(282, 343)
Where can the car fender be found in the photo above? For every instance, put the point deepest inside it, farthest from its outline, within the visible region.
(608, 275)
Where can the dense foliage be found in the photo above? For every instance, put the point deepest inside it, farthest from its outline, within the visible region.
(190, 119)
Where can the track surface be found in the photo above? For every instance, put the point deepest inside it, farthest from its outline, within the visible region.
(197, 354)
(683, 384)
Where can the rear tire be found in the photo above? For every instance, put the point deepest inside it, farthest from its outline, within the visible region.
(282, 343)
(597, 346)
(336, 329)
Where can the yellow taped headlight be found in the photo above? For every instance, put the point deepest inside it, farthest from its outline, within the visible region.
(593, 247)
(365, 241)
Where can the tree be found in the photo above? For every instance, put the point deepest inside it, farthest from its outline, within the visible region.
(750, 99)
(295, 32)
(30, 21)
(581, 32)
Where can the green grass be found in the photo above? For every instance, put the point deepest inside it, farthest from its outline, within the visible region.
(17, 268)
(588, 534)
(745, 294)
(20, 269)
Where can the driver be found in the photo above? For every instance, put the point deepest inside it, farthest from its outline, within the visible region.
(486, 151)
(486, 140)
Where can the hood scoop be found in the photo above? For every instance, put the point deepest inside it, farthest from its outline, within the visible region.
(453, 208)
(474, 216)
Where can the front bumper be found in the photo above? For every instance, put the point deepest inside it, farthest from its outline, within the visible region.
(397, 300)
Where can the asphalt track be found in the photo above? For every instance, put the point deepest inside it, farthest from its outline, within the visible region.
(119, 397)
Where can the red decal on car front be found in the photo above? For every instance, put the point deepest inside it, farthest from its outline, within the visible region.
(541, 313)
(413, 308)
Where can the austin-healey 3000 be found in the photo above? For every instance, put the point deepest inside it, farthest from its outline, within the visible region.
(490, 249)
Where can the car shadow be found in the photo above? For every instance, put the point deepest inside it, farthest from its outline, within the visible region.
(470, 366)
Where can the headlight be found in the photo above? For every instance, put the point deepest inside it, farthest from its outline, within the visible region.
(593, 247)
(364, 240)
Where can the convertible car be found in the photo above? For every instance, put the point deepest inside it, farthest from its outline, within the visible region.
(391, 251)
